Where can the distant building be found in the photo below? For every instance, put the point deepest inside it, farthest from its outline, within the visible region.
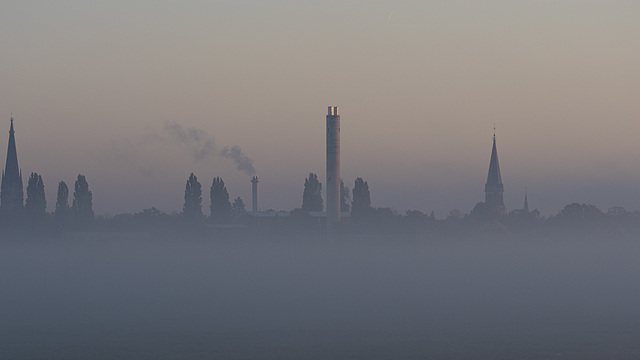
(493, 189)
(11, 197)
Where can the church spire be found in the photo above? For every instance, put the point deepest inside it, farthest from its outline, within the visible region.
(494, 188)
(526, 202)
(11, 196)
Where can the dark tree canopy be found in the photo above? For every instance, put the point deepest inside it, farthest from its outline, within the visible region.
(220, 205)
(192, 208)
(576, 214)
(238, 207)
(312, 195)
(345, 198)
(361, 205)
(82, 201)
(62, 202)
(36, 203)
(580, 211)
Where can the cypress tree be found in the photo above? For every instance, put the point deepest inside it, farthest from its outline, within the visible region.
(192, 209)
(312, 194)
(82, 207)
(36, 203)
(62, 203)
(361, 205)
(220, 205)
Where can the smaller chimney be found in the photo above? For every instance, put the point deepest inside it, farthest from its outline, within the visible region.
(254, 194)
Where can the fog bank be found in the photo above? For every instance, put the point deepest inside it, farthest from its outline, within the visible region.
(317, 298)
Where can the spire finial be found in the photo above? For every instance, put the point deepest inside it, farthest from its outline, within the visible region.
(494, 131)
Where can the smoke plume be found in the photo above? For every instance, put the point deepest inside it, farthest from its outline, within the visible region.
(198, 141)
(243, 162)
(202, 146)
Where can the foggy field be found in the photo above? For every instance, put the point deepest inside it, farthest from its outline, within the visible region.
(314, 298)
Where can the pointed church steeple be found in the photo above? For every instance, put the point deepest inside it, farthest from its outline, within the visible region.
(494, 188)
(526, 202)
(11, 197)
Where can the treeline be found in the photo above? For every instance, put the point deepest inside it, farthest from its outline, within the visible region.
(32, 214)
(360, 217)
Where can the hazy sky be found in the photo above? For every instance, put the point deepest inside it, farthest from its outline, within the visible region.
(95, 86)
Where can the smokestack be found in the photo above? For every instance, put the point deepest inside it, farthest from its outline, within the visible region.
(254, 194)
(333, 167)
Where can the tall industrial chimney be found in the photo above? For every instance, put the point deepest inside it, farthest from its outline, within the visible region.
(333, 167)
(254, 194)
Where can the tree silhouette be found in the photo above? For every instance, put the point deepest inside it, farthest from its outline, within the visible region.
(192, 208)
(237, 207)
(361, 205)
(36, 203)
(345, 198)
(580, 211)
(220, 205)
(82, 201)
(580, 215)
(62, 203)
(312, 195)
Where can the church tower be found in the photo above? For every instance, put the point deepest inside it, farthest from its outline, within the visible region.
(11, 197)
(493, 189)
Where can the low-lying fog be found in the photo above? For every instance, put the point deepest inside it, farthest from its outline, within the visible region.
(319, 299)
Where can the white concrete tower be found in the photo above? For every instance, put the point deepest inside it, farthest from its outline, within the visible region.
(333, 167)
(254, 194)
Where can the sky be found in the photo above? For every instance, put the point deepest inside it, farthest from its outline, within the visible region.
(137, 95)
